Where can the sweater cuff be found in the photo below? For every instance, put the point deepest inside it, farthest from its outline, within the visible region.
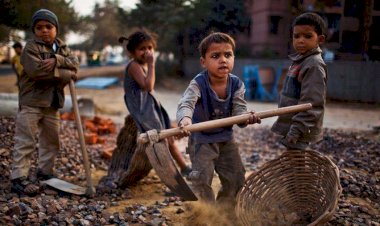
(294, 132)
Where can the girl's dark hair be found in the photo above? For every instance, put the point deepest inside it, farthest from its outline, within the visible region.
(312, 19)
(136, 38)
(17, 45)
(216, 37)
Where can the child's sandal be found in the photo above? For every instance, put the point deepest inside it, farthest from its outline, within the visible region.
(21, 186)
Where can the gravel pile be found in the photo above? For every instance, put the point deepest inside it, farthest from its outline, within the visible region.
(356, 153)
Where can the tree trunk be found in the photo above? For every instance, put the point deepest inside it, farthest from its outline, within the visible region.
(366, 25)
(129, 163)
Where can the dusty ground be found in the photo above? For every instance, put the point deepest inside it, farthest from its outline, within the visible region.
(109, 103)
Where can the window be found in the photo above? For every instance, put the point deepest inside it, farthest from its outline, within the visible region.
(350, 42)
(374, 31)
(274, 24)
(333, 21)
(376, 5)
(353, 8)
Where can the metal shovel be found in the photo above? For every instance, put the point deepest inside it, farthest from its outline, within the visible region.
(66, 186)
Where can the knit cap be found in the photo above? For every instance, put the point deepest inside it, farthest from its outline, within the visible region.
(44, 14)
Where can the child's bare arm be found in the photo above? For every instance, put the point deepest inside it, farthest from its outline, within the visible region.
(145, 81)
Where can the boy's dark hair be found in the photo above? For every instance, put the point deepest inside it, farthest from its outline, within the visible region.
(17, 45)
(138, 37)
(216, 37)
(311, 19)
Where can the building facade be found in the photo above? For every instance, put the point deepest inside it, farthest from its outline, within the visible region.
(353, 32)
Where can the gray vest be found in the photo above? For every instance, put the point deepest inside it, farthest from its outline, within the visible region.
(210, 107)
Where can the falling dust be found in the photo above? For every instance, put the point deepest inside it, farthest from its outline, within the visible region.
(204, 214)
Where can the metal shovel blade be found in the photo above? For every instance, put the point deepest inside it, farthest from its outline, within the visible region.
(162, 162)
(65, 186)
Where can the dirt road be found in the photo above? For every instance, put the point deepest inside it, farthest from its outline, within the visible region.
(337, 116)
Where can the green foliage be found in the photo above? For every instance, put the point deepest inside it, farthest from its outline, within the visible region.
(4, 33)
(182, 24)
(17, 14)
(104, 26)
(166, 18)
(186, 22)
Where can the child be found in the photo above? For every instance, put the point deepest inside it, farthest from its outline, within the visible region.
(140, 77)
(215, 93)
(48, 67)
(16, 64)
(305, 83)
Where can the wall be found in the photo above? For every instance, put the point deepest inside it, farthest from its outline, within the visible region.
(261, 39)
(354, 81)
(347, 80)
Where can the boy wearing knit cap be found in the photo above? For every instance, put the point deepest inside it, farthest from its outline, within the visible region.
(49, 66)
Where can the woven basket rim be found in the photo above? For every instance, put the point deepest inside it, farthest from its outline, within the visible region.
(328, 164)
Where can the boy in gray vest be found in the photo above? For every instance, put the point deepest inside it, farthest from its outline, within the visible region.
(213, 94)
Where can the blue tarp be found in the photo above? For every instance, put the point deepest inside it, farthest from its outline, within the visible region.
(96, 82)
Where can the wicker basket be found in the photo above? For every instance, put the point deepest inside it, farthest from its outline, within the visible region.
(297, 188)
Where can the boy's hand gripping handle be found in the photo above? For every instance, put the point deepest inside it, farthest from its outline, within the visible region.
(218, 123)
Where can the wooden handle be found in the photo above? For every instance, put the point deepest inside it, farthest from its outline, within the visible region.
(90, 189)
(218, 123)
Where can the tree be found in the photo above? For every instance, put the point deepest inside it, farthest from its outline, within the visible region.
(162, 17)
(18, 14)
(181, 24)
(105, 25)
(220, 15)
(366, 25)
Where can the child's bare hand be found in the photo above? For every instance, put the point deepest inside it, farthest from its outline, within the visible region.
(74, 76)
(149, 57)
(48, 64)
(186, 121)
(253, 118)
